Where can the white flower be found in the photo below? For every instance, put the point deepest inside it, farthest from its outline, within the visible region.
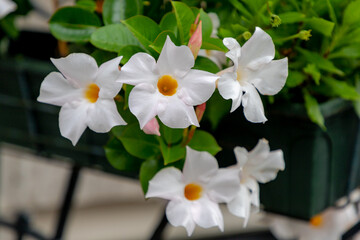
(254, 69)
(329, 225)
(258, 165)
(86, 93)
(168, 88)
(6, 7)
(195, 193)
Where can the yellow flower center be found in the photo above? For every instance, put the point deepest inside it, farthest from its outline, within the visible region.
(316, 221)
(92, 92)
(192, 191)
(167, 85)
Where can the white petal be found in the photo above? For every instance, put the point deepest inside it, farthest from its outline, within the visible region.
(258, 50)
(223, 187)
(241, 155)
(271, 77)
(178, 214)
(229, 88)
(106, 78)
(141, 68)
(240, 206)
(234, 50)
(56, 90)
(72, 120)
(199, 166)
(103, 115)
(6, 7)
(252, 185)
(143, 101)
(206, 213)
(174, 113)
(79, 68)
(264, 165)
(175, 61)
(167, 184)
(253, 107)
(197, 87)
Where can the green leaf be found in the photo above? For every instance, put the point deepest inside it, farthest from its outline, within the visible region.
(239, 6)
(116, 10)
(351, 51)
(137, 143)
(147, 171)
(113, 38)
(119, 158)
(312, 70)
(128, 51)
(320, 62)
(172, 153)
(73, 24)
(207, 26)
(184, 18)
(158, 44)
(89, 5)
(7, 24)
(204, 141)
(321, 25)
(313, 110)
(341, 89)
(171, 135)
(102, 56)
(291, 17)
(205, 64)
(216, 108)
(294, 79)
(144, 29)
(331, 12)
(213, 44)
(352, 13)
(168, 22)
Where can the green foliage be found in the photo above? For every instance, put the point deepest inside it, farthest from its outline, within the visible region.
(114, 11)
(204, 141)
(148, 170)
(113, 37)
(313, 109)
(74, 24)
(184, 18)
(119, 158)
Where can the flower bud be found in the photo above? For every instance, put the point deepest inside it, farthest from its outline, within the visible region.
(199, 111)
(196, 40)
(246, 35)
(275, 20)
(152, 127)
(305, 34)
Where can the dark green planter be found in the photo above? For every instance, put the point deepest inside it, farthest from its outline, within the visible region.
(321, 166)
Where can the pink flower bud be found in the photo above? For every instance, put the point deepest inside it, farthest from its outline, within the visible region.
(152, 127)
(196, 40)
(199, 111)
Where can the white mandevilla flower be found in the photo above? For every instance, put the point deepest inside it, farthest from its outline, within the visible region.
(86, 93)
(168, 88)
(254, 69)
(329, 225)
(6, 7)
(258, 165)
(195, 193)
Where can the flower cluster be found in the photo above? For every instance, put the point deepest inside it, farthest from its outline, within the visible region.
(169, 89)
(195, 193)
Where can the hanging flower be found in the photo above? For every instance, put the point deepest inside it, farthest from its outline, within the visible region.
(195, 193)
(254, 69)
(85, 93)
(6, 7)
(168, 88)
(328, 225)
(258, 165)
